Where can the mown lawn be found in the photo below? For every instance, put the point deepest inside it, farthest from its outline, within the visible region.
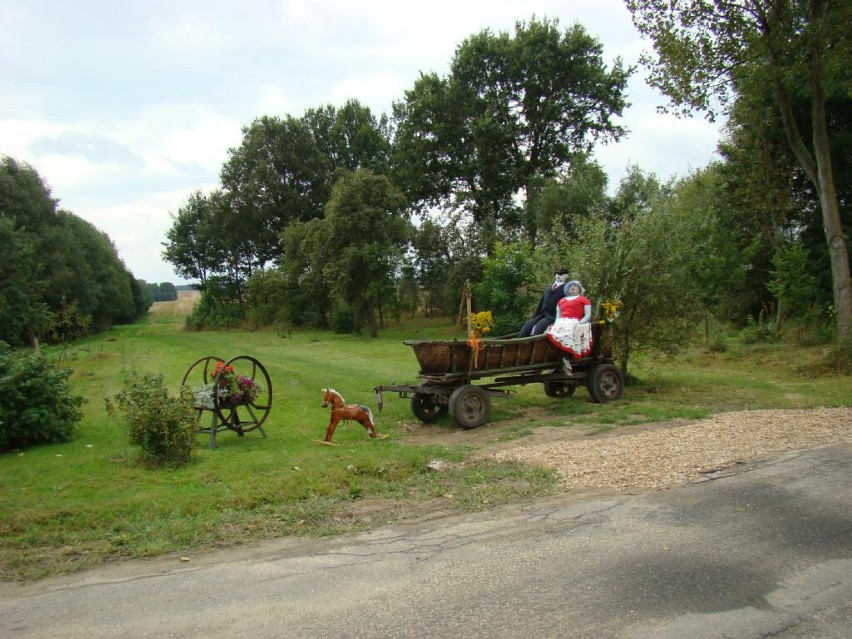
(67, 507)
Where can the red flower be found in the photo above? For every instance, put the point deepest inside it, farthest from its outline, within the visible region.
(228, 369)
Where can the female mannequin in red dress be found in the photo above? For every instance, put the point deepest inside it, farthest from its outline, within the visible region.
(572, 331)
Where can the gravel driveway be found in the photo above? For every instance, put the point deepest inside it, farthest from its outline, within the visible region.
(685, 452)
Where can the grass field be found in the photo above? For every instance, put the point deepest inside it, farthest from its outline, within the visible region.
(67, 507)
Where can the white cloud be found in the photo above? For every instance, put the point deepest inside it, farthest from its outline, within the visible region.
(273, 99)
(181, 134)
(661, 144)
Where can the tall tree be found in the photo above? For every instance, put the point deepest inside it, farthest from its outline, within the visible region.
(773, 201)
(513, 109)
(367, 235)
(61, 276)
(351, 137)
(645, 261)
(281, 175)
(26, 208)
(706, 51)
(192, 246)
(308, 300)
(564, 201)
(23, 314)
(278, 175)
(85, 269)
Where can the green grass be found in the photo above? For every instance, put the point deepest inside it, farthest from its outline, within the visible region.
(67, 507)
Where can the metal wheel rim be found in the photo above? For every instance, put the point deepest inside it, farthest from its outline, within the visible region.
(257, 410)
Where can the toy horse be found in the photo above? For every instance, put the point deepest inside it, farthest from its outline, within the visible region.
(340, 410)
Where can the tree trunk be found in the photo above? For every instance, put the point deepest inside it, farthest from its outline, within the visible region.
(371, 319)
(818, 168)
(837, 250)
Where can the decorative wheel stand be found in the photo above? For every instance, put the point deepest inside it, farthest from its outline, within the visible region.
(237, 393)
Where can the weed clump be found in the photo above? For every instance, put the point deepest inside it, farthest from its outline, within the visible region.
(161, 425)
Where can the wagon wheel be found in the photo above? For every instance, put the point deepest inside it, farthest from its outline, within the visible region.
(248, 414)
(606, 383)
(204, 369)
(559, 389)
(427, 407)
(200, 374)
(470, 406)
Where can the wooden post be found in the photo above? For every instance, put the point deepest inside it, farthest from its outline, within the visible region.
(464, 303)
(467, 296)
(214, 426)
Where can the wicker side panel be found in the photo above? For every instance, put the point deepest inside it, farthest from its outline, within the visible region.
(433, 357)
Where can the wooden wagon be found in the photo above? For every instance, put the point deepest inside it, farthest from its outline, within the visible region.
(448, 370)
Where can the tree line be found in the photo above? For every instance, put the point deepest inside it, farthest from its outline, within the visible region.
(340, 218)
(163, 292)
(61, 277)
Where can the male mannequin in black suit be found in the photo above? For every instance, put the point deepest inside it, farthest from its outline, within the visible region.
(545, 312)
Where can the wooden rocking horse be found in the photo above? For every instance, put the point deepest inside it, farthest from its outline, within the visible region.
(341, 411)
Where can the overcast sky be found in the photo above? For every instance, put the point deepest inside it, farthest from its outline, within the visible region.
(124, 107)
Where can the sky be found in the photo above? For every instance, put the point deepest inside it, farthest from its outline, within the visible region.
(125, 107)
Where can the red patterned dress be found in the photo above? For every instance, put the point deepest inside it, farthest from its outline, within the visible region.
(568, 332)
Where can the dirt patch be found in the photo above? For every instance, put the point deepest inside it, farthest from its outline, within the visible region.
(493, 437)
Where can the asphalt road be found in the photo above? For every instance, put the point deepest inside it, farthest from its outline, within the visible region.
(762, 550)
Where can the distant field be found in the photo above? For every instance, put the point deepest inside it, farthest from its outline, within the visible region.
(181, 306)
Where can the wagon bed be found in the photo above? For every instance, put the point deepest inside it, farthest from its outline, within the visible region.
(449, 368)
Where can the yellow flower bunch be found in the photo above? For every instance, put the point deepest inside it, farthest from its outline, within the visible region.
(611, 309)
(481, 323)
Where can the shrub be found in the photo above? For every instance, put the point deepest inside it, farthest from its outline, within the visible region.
(342, 320)
(717, 344)
(839, 357)
(213, 311)
(756, 331)
(36, 402)
(508, 289)
(161, 425)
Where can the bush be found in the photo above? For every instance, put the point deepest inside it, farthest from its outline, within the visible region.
(162, 426)
(756, 331)
(36, 402)
(717, 344)
(839, 357)
(214, 313)
(342, 321)
(508, 289)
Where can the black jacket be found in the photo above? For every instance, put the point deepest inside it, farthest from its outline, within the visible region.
(547, 304)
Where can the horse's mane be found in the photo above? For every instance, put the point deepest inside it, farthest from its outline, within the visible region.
(333, 392)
